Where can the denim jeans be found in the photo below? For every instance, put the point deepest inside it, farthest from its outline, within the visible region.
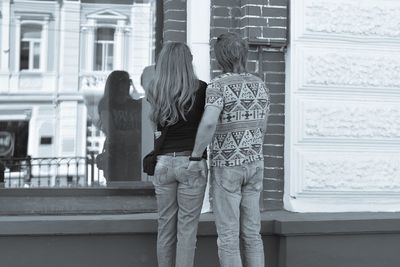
(235, 198)
(180, 194)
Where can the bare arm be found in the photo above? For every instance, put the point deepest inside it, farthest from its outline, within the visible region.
(204, 135)
(206, 130)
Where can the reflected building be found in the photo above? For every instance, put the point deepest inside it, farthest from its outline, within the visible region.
(55, 57)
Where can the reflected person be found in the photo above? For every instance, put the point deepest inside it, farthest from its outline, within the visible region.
(120, 117)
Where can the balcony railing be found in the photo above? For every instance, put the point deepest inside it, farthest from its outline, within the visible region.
(50, 172)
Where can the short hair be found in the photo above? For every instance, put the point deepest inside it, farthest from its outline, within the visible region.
(231, 52)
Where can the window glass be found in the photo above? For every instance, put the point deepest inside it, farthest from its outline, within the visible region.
(104, 49)
(109, 56)
(24, 61)
(99, 56)
(81, 121)
(36, 55)
(30, 46)
(105, 34)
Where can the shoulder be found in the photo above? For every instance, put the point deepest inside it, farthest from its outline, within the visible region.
(201, 89)
(252, 78)
(102, 106)
(202, 86)
(227, 79)
(220, 78)
(147, 76)
(217, 82)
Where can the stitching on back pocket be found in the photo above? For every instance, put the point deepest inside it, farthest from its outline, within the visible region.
(228, 180)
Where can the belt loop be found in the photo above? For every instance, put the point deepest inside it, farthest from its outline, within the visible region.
(174, 154)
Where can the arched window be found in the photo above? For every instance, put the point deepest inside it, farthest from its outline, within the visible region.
(31, 42)
(104, 49)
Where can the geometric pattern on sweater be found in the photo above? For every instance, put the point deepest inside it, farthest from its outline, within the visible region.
(244, 102)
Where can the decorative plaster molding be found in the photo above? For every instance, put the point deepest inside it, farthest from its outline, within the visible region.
(342, 123)
(351, 120)
(13, 113)
(356, 18)
(351, 172)
(41, 17)
(30, 82)
(107, 14)
(93, 81)
(349, 69)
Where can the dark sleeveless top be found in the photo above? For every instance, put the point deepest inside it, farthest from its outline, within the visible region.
(182, 135)
(123, 140)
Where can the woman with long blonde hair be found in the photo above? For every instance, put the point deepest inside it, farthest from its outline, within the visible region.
(177, 99)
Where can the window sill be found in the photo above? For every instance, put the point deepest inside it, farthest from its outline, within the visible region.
(30, 72)
(137, 197)
(281, 223)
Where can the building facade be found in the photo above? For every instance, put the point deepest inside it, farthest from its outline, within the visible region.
(55, 58)
(332, 175)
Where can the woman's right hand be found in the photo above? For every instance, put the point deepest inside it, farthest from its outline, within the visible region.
(157, 134)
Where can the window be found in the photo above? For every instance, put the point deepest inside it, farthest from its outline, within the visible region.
(62, 54)
(30, 46)
(61, 60)
(104, 49)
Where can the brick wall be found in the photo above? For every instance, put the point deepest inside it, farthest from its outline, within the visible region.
(174, 20)
(264, 24)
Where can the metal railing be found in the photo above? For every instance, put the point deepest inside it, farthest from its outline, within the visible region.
(50, 172)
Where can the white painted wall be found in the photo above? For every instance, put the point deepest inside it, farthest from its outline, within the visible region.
(5, 45)
(198, 39)
(198, 36)
(141, 37)
(343, 106)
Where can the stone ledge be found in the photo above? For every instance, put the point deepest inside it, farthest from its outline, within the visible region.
(281, 223)
(292, 224)
(135, 197)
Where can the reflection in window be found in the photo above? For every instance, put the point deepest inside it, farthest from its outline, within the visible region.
(94, 138)
(84, 46)
(30, 46)
(104, 49)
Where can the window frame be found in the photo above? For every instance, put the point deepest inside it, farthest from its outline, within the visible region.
(105, 44)
(98, 20)
(41, 19)
(87, 200)
(31, 43)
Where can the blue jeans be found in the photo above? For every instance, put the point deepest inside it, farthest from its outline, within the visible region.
(235, 198)
(180, 196)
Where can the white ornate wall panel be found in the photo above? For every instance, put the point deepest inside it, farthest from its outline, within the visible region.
(342, 140)
(354, 19)
(351, 120)
(348, 68)
(351, 172)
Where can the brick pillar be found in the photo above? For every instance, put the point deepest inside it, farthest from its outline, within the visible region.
(174, 20)
(263, 24)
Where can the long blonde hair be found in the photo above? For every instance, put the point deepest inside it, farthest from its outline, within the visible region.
(172, 91)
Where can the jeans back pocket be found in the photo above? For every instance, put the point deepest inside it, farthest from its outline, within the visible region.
(228, 178)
